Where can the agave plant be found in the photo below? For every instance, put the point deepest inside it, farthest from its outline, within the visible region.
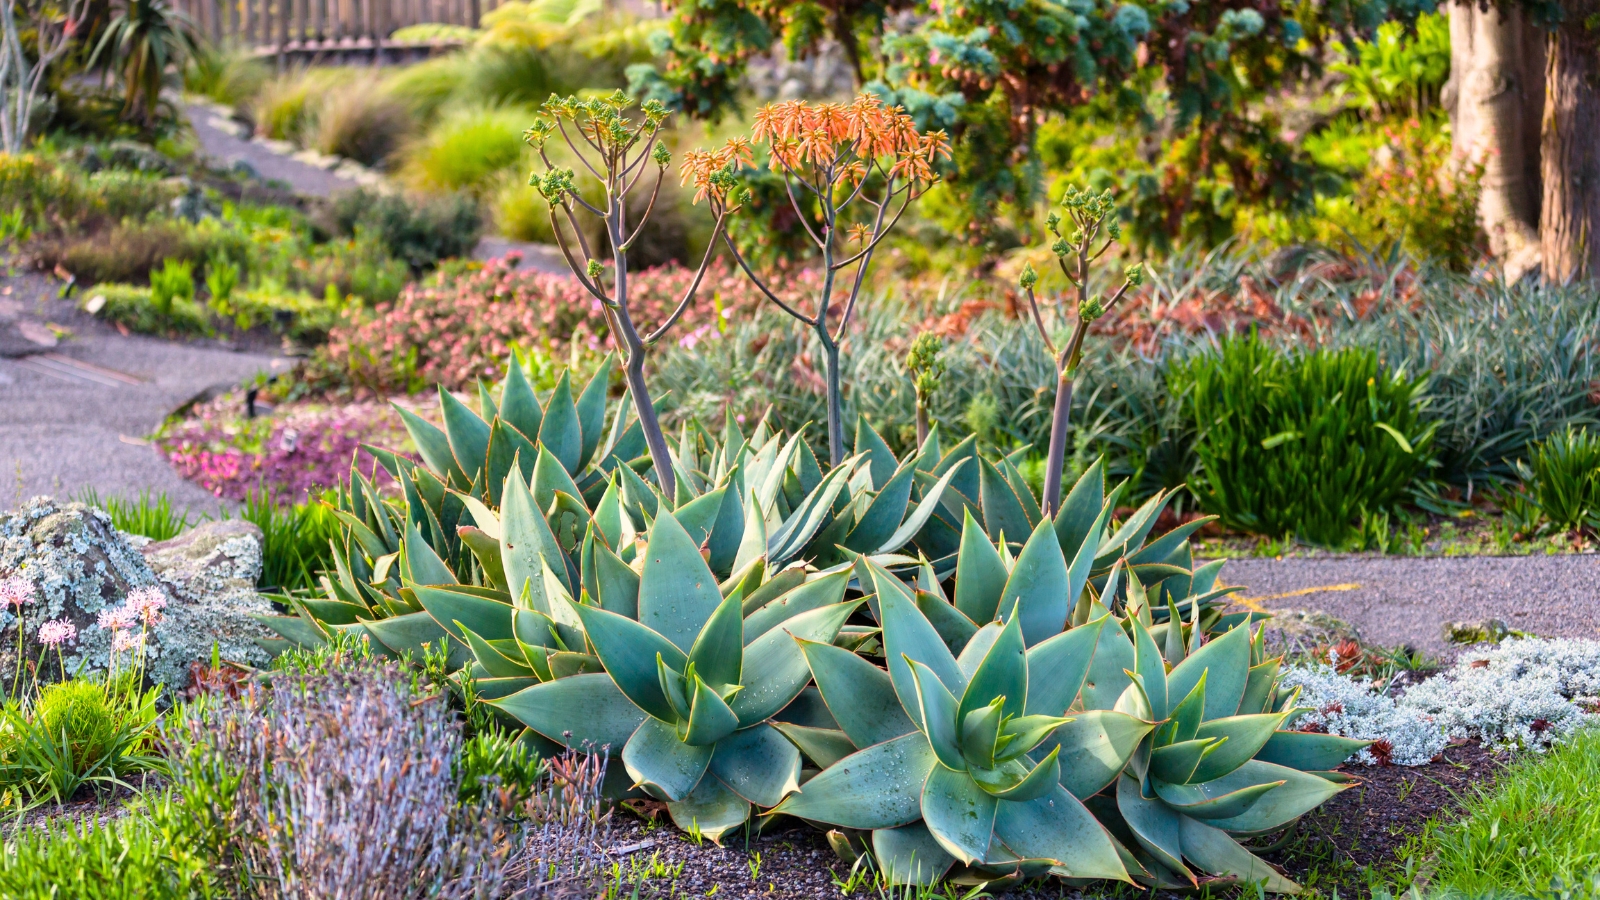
(690, 683)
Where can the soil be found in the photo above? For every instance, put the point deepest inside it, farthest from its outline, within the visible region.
(87, 805)
(1355, 836)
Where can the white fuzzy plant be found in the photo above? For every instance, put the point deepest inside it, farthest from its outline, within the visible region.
(1521, 694)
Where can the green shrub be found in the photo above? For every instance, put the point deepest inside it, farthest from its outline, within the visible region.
(1301, 444)
(427, 86)
(121, 194)
(361, 123)
(230, 75)
(466, 150)
(518, 211)
(133, 307)
(1563, 476)
(495, 752)
(129, 251)
(433, 31)
(77, 713)
(294, 541)
(286, 108)
(174, 281)
(420, 230)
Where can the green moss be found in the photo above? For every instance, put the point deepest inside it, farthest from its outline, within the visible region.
(78, 711)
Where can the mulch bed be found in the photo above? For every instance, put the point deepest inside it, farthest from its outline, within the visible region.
(1353, 836)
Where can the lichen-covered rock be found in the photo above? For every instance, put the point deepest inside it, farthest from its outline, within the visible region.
(81, 565)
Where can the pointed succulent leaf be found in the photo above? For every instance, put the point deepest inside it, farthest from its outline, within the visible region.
(884, 515)
(1214, 851)
(1059, 828)
(977, 647)
(815, 594)
(1175, 763)
(937, 711)
(628, 650)
(1227, 658)
(616, 583)
(860, 696)
(1095, 747)
(526, 541)
(495, 662)
(666, 767)
(487, 617)
(1307, 751)
(1242, 737)
(561, 433)
(608, 718)
(878, 787)
(1002, 674)
(467, 433)
(519, 407)
(1184, 723)
(979, 735)
(1075, 522)
(823, 746)
(908, 634)
(1149, 664)
(980, 574)
(487, 552)
(1042, 779)
(758, 764)
(958, 813)
(718, 651)
(953, 627)
(591, 409)
(1058, 666)
(1108, 678)
(677, 592)
(775, 669)
(1037, 587)
(880, 458)
(1002, 509)
(1299, 793)
(1154, 825)
(710, 718)
(550, 476)
(1258, 687)
(1203, 801)
(433, 445)
(910, 855)
(710, 810)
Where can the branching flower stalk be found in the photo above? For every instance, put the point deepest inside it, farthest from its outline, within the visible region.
(927, 370)
(831, 157)
(1089, 216)
(618, 150)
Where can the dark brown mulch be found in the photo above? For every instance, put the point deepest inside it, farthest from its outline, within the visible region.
(1359, 833)
(99, 807)
(1354, 836)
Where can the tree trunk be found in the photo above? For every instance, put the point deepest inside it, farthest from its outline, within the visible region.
(1495, 97)
(1569, 150)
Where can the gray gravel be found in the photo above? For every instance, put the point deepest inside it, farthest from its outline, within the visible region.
(1401, 600)
(77, 414)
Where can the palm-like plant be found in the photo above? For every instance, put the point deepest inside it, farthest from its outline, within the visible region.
(143, 38)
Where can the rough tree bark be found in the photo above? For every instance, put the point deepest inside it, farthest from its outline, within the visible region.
(1496, 97)
(1569, 147)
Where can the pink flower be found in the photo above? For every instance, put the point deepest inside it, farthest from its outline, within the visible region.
(119, 618)
(127, 640)
(16, 591)
(147, 603)
(54, 634)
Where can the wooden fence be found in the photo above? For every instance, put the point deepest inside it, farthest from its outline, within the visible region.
(308, 28)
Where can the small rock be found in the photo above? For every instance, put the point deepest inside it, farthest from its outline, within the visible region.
(37, 334)
(1489, 631)
(245, 169)
(95, 304)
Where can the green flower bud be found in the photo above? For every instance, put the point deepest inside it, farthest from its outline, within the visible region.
(1134, 274)
(595, 269)
(1029, 277)
(662, 156)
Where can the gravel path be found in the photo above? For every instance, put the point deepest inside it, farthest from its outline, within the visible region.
(221, 142)
(1406, 600)
(76, 414)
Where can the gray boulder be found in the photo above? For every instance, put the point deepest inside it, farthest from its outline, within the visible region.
(81, 565)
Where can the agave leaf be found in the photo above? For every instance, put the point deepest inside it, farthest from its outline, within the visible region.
(1175, 763)
(1202, 801)
(817, 508)
(617, 583)
(1214, 851)
(887, 510)
(823, 746)
(953, 627)
(629, 650)
(1148, 662)
(710, 809)
(1042, 779)
(710, 718)
(519, 408)
(1127, 539)
(878, 787)
(565, 664)
(334, 612)
(699, 515)
(607, 719)
(467, 433)
(1057, 827)
(1108, 678)
(608, 517)
(487, 617)
(1003, 673)
(591, 409)
(487, 551)
(727, 529)
(1308, 752)
(1184, 723)
(1019, 486)
(910, 854)
(1083, 561)
(860, 696)
(758, 764)
(677, 592)
(815, 594)
(1076, 522)
(1242, 737)
(424, 565)
(433, 445)
(1154, 825)
(777, 586)
(666, 767)
(1228, 660)
(775, 667)
(717, 653)
(1002, 509)
(977, 647)
(550, 476)
(496, 663)
(561, 432)
(958, 813)
(907, 634)
(1037, 587)
(1301, 792)
(1058, 666)
(1258, 688)
(407, 633)
(931, 500)
(880, 458)
(526, 541)
(937, 711)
